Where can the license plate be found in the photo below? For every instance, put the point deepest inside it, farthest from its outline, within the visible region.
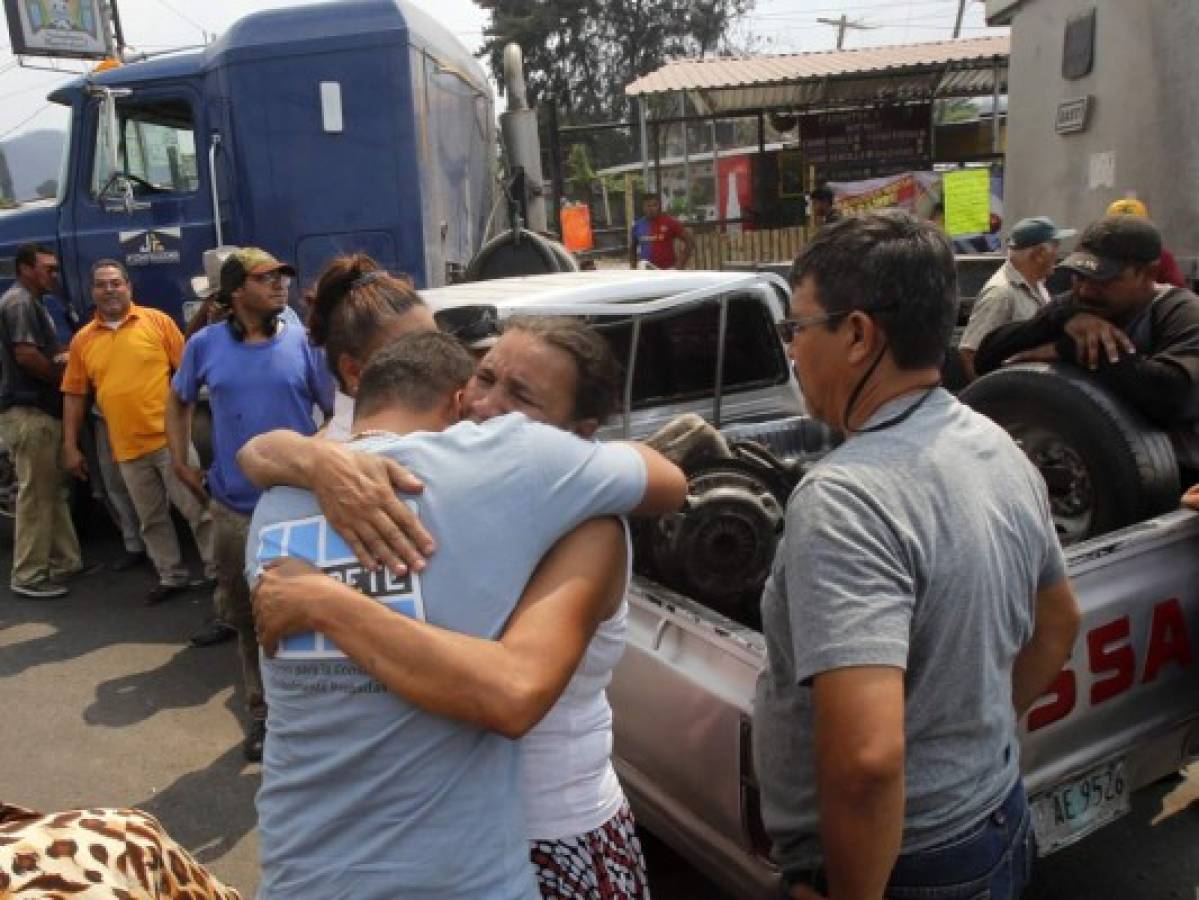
(1075, 809)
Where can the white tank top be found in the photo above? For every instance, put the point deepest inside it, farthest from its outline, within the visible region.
(567, 780)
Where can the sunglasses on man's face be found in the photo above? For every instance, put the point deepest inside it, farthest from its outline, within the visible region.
(789, 328)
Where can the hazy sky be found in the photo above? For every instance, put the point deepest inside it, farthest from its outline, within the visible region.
(777, 26)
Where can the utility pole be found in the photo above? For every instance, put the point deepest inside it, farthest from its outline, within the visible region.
(842, 25)
(957, 25)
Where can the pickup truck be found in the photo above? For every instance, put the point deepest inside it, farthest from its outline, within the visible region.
(1121, 715)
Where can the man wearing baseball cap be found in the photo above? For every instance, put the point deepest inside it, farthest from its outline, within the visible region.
(1168, 270)
(1138, 338)
(262, 374)
(1017, 291)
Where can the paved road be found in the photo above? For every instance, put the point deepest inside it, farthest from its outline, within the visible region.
(105, 705)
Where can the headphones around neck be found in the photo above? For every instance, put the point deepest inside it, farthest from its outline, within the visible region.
(271, 324)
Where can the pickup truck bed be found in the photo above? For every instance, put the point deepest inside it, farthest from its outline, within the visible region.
(1124, 713)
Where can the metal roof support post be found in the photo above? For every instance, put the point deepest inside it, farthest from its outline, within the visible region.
(686, 153)
(995, 65)
(716, 180)
(641, 101)
(657, 158)
(758, 181)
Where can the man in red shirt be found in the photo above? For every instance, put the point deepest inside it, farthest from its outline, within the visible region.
(654, 235)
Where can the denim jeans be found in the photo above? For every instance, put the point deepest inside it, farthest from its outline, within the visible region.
(991, 860)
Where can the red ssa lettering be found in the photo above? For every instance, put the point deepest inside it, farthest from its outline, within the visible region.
(1110, 654)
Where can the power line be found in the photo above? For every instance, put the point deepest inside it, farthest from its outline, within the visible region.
(204, 31)
(25, 121)
(32, 87)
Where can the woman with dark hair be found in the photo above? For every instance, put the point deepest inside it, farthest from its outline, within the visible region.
(357, 308)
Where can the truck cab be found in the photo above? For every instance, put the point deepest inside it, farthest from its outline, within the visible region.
(359, 126)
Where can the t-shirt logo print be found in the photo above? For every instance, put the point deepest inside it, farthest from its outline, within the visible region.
(313, 540)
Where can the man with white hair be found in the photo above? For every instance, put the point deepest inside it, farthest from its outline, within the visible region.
(1017, 291)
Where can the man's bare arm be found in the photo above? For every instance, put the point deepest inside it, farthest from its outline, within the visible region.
(1054, 631)
(858, 717)
(1191, 498)
(74, 411)
(665, 484)
(505, 686)
(179, 438)
(967, 357)
(33, 362)
(356, 492)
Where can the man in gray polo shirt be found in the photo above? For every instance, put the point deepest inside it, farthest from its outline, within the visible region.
(1017, 291)
(918, 603)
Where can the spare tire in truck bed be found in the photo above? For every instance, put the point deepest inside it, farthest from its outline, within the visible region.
(1105, 466)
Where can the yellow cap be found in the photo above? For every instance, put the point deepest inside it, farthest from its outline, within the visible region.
(1128, 206)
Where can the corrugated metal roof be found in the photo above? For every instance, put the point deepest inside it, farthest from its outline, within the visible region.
(803, 80)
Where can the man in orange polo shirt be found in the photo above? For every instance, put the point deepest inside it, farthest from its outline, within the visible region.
(126, 356)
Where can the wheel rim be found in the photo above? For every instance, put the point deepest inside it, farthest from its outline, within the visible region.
(1071, 488)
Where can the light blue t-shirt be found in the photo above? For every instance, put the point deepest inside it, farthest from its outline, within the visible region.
(363, 795)
(252, 389)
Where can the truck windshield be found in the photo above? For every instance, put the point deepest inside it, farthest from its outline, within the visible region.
(157, 149)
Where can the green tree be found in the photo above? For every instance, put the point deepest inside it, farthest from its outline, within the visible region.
(580, 175)
(580, 54)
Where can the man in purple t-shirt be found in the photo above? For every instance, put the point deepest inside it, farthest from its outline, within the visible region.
(261, 374)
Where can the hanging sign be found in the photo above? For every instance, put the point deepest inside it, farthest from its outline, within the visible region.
(61, 28)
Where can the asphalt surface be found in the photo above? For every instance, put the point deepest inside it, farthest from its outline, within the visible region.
(105, 704)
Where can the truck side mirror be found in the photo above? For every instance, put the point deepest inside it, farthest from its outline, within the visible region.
(108, 125)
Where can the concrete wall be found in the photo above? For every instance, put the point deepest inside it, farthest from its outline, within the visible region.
(1144, 90)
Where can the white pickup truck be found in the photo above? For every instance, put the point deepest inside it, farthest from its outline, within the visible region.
(1122, 714)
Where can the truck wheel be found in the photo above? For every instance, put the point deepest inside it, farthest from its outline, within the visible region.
(1104, 465)
(519, 253)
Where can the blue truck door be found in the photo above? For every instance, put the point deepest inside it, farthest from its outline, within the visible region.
(161, 234)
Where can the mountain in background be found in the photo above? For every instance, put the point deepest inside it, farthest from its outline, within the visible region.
(30, 160)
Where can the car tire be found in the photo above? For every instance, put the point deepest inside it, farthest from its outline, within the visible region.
(1105, 466)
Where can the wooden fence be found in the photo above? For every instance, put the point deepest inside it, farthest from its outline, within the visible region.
(714, 248)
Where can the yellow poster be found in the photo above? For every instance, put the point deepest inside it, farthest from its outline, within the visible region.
(967, 201)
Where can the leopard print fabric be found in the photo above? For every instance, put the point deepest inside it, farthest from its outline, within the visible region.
(97, 854)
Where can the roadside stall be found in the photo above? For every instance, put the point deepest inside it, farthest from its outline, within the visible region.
(835, 118)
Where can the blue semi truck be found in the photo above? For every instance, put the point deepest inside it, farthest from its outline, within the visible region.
(360, 125)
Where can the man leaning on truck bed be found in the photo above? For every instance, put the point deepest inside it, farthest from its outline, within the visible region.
(1137, 338)
(918, 603)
